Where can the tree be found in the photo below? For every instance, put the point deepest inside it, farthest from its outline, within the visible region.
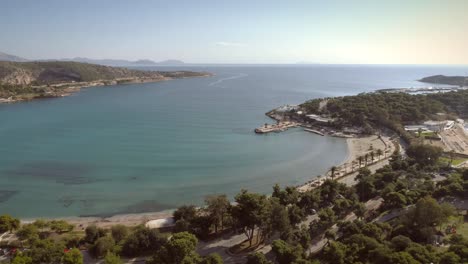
(360, 210)
(73, 256)
(93, 233)
(335, 253)
(379, 153)
(21, 259)
(257, 258)
(46, 251)
(179, 249)
(217, 208)
(285, 253)
(60, 226)
(250, 212)
(186, 212)
(8, 223)
(394, 200)
(112, 258)
(142, 240)
(424, 154)
(449, 258)
(28, 232)
(102, 246)
(212, 259)
(119, 232)
(333, 169)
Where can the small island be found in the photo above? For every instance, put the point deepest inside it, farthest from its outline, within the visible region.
(21, 81)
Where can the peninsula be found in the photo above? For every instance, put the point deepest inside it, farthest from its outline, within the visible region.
(30, 80)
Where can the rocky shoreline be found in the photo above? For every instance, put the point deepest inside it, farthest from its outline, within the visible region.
(67, 89)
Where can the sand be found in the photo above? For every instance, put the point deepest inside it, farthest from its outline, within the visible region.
(357, 147)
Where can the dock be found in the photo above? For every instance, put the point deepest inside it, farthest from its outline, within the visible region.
(279, 127)
(314, 131)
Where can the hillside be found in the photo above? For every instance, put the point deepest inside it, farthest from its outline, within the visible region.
(26, 80)
(9, 57)
(442, 79)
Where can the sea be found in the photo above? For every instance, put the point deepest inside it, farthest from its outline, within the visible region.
(150, 147)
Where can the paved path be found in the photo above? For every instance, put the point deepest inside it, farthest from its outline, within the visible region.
(321, 242)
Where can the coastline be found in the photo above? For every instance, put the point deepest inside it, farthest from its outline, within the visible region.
(71, 88)
(357, 146)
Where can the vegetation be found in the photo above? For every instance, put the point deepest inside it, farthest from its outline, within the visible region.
(371, 111)
(408, 225)
(29, 80)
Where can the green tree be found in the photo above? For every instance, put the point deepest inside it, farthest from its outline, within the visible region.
(285, 253)
(21, 259)
(217, 208)
(28, 232)
(102, 246)
(119, 232)
(449, 258)
(112, 258)
(212, 259)
(93, 233)
(394, 200)
(73, 256)
(179, 249)
(250, 212)
(142, 240)
(46, 251)
(186, 212)
(335, 253)
(8, 223)
(424, 154)
(60, 226)
(257, 258)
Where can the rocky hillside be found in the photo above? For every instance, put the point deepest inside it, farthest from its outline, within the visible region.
(38, 79)
(450, 80)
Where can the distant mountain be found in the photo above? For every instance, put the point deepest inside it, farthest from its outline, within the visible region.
(8, 57)
(171, 62)
(450, 80)
(105, 62)
(111, 62)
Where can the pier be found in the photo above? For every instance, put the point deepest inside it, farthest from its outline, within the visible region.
(314, 131)
(279, 127)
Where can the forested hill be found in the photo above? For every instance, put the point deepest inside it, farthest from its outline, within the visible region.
(390, 110)
(27, 80)
(51, 72)
(450, 80)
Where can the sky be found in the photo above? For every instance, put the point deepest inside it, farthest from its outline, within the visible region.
(259, 32)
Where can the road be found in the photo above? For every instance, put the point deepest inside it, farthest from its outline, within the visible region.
(321, 242)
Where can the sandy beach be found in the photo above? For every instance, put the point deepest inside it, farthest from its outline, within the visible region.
(357, 147)
(106, 222)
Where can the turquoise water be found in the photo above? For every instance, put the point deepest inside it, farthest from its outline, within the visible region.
(155, 146)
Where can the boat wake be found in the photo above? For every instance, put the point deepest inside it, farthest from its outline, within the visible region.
(217, 82)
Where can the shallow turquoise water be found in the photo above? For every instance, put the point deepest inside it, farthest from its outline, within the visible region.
(154, 146)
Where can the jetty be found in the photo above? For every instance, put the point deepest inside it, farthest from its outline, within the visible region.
(314, 131)
(279, 127)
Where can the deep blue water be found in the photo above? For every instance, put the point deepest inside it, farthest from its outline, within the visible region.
(155, 146)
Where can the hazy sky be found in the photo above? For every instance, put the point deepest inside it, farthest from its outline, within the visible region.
(286, 31)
